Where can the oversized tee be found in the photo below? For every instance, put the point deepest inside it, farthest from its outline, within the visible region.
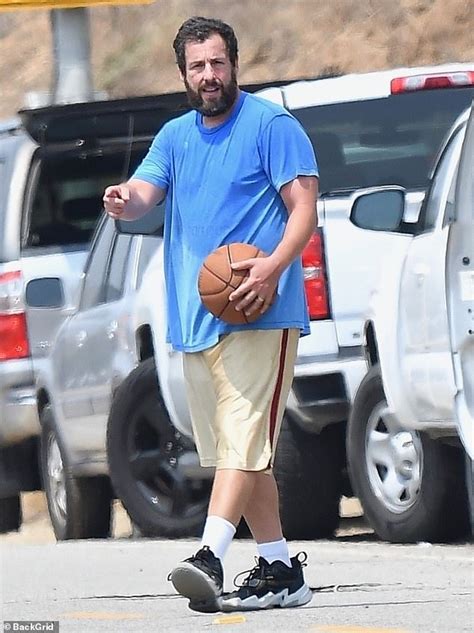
(223, 186)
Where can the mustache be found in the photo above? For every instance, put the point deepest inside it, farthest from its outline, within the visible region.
(211, 84)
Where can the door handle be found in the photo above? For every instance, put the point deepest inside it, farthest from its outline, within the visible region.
(111, 329)
(420, 271)
(81, 337)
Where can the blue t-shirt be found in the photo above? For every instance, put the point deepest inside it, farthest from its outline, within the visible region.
(223, 186)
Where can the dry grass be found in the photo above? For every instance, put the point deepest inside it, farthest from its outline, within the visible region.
(279, 39)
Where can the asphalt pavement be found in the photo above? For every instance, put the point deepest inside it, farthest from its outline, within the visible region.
(360, 585)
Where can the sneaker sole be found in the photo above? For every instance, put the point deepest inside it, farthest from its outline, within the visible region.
(282, 600)
(197, 586)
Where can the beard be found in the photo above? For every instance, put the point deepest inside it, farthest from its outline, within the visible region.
(219, 106)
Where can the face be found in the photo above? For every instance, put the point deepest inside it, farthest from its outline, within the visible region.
(210, 79)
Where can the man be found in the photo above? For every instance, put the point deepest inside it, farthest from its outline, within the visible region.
(234, 169)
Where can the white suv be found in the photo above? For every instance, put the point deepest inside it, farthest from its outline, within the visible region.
(411, 430)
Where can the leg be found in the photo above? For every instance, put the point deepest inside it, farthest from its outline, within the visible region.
(262, 511)
(231, 493)
(273, 582)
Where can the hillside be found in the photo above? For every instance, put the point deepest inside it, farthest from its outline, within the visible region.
(279, 39)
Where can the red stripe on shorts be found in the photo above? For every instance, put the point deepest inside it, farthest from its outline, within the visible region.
(276, 395)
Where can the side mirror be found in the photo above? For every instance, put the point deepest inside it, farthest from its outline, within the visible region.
(45, 292)
(380, 210)
(150, 224)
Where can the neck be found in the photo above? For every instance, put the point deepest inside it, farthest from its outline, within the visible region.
(214, 121)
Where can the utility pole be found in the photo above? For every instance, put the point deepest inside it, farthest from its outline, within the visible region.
(72, 68)
(72, 72)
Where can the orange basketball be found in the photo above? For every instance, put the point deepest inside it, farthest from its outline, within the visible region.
(217, 280)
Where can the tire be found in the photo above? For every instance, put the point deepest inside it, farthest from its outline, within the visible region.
(470, 491)
(79, 508)
(143, 450)
(412, 488)
(10, 514)
(308, 470)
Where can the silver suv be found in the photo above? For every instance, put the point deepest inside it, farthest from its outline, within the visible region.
(54, 165)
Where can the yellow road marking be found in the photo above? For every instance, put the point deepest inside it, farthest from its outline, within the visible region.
(229, 619)
(101, 615)
(354, 629)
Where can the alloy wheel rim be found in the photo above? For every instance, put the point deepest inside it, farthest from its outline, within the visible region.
(166, 491)
(394, 460)
(56, 478)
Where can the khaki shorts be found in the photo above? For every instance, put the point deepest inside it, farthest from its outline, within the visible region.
(237, 392)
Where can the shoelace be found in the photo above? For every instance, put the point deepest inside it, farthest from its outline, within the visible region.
(200, 555)
(260, 573)
(257, 572)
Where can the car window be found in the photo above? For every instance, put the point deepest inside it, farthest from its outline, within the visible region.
(389, 141)
(67, 201)
(96, 267)
(115, 280)
(442, 182)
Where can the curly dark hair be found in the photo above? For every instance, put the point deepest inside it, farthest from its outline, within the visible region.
(198, 29)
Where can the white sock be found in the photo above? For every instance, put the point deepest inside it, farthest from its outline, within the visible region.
(218, 534)
(275, 550)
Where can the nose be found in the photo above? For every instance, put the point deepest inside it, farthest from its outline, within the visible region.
(208, 73)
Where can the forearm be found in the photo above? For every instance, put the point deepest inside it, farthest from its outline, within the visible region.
(301, 225)
(300, 197)
(142, 199)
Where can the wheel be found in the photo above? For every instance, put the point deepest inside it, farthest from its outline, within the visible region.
(411, 487)
(308, 470)
(145, 454)
(79, 508)
(470, 490)
(10, 514)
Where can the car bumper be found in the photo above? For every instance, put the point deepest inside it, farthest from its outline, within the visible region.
(324, 389)
(18, 411)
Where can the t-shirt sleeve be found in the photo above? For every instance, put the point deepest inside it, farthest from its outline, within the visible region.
(155, 168)
(286, 151)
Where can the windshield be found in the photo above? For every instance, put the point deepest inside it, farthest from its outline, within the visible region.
(386, 141)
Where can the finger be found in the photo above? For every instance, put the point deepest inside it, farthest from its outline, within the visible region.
(242, 265)
(110, 199)
(247, 300)
(125, 194)
(265, 307)
(241, 291)
(255, 306)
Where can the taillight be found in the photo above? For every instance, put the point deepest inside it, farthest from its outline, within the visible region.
(13, 332)
(455, 79)
(315, 277)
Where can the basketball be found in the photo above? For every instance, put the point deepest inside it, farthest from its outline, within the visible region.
(217, 281)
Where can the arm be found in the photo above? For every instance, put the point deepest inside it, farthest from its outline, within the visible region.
(299, 197)
(131, 200)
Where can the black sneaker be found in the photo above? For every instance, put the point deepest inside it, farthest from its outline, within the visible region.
(270, 585)
(199, 578)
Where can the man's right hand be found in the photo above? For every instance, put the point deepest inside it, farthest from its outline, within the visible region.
(116, 198)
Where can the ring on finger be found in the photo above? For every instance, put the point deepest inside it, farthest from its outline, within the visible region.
(261, 299)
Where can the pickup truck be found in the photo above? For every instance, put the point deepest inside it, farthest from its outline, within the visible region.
(411, 431)
(368, 130)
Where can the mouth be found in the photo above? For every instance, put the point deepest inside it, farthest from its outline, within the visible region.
(210, 91)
